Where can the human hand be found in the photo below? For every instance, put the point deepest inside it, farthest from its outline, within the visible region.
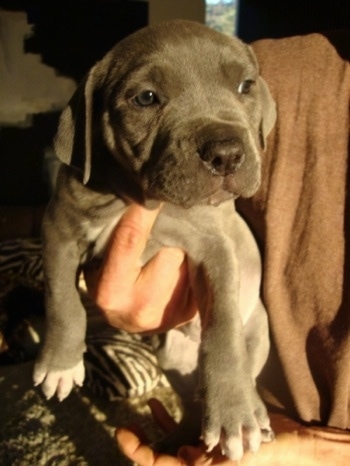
(152, 298)
(294, 444)
(134, 444)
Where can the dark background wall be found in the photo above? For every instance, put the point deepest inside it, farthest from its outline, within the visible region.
(281, 18)
(69, 36)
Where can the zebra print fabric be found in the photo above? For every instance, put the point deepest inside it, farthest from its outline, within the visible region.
(121, 365)
(117, 364)
(21, 259)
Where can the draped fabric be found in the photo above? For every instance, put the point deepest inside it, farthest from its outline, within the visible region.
(302, 222)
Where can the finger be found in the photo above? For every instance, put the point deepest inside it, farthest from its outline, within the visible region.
(129, 239)
(167, 262)
(173, 293)
(142, 454)
(121, 266)
(158, 282)
(137, 430)
(182, 306)
(194, 456)
(198, 456)
(161, 416)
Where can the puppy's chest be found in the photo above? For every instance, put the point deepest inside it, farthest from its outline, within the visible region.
(97, 233)
(173, 227)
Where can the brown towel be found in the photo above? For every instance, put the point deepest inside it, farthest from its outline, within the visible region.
(301, 218)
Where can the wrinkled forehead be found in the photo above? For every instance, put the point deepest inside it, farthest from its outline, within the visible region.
(204, 57)
(193, 56)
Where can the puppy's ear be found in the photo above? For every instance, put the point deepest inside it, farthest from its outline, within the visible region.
(74, 139)
(269, 113)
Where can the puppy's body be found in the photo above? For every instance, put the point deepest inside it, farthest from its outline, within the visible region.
(175, 113)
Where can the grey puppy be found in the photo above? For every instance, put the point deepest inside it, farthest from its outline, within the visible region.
(175, 113)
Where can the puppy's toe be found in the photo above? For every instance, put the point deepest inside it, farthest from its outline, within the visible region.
(68, 378)
(232, 447)
(211, 438)
(38, 376)
(252, 439)
(267, 435)
(64, 387)
(79, 373)
(50, 384)
(263, 420)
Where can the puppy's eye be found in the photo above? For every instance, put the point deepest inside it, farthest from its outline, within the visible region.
(146, 98)
(245, 86)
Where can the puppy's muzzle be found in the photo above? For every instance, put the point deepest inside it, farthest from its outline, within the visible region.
(223, 157)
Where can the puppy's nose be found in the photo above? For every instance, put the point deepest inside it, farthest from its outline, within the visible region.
(223, 157)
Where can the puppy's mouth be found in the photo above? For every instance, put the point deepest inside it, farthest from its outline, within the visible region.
(218, 172)
(202, 188)
(224, 193)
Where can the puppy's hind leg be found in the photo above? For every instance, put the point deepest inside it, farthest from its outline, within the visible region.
(177, 353)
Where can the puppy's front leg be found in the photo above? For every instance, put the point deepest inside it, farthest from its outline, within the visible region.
(233, 413)
(60, 362)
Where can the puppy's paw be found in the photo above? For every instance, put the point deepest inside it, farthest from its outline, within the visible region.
(60, 382)
(237, 426)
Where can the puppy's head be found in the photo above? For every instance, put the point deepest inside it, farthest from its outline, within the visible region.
(179, 108)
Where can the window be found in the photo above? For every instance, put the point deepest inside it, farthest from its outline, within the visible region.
(222, 15)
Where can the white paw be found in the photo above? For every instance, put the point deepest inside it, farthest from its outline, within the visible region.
(59, 382)
(233, 446)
